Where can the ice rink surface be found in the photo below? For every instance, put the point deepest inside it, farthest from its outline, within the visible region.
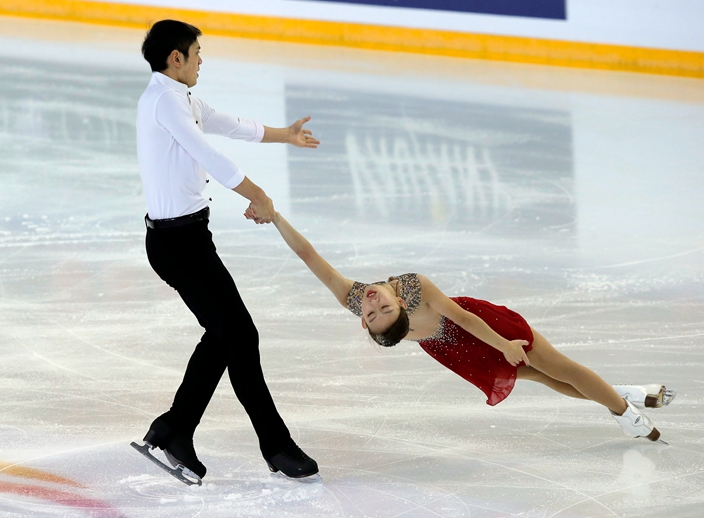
(574, 197)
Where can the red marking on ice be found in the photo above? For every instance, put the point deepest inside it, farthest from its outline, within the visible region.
(62, 498)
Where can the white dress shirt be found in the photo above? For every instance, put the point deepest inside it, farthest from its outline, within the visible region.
(173, 153)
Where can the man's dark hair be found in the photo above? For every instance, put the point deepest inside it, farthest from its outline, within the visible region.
(166, 36)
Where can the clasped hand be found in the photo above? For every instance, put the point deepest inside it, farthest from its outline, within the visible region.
(515, 354)
(260, 214)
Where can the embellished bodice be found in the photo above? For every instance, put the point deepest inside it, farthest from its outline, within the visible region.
(408, 289)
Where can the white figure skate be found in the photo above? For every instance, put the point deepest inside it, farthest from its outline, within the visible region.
(636, 424)
(646, 396)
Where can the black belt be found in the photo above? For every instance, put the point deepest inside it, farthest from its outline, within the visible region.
(201, 215)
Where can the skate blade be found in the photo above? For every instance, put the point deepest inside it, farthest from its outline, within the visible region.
(179, 472)
(661, 399)
(667, 396)
(180, 466)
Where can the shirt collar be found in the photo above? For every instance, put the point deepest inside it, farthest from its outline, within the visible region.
(166, 81)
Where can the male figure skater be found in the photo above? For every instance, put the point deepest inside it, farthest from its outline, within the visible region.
(174, 156)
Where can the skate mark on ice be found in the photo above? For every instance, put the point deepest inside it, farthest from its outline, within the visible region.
(625, 488)
(161, 490)
(57, 365)
(496, 464)
(245, 494)
(649, 260)
(21, 430)
(102, 349)
(649, 339)
(552, 420)
(555, 302)
(356, 486)
(108, 402)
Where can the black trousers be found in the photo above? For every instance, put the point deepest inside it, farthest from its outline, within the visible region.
(186, 259)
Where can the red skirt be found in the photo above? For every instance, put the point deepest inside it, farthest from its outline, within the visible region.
(474, 360)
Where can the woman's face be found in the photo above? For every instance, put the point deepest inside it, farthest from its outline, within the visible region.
(380, 307)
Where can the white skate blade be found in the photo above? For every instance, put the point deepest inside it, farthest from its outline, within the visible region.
(668, 396)
(646, 396)
(179, 471)
(658, 396)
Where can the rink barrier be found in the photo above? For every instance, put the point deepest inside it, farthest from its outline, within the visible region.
(375, 37)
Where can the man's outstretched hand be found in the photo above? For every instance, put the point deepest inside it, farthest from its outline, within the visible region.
(300, 137)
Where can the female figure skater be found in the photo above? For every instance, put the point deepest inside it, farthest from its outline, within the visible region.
(489, 346)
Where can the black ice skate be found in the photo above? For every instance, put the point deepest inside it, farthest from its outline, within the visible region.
(292, 462)
(179, 452)
(179, 471)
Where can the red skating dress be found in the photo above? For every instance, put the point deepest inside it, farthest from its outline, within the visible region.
(461, 352)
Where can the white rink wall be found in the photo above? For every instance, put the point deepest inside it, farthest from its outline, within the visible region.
(674, 25)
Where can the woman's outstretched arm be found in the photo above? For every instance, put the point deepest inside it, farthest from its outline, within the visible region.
(336, 283)
(512, 349)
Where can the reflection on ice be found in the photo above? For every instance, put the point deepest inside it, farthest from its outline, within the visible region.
(63, 105)
(416, 161)
(637, 474)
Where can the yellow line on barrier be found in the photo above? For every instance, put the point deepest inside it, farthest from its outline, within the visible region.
(377, 37)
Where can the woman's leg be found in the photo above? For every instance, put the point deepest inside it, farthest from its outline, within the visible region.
(531, 374)
(549, 361)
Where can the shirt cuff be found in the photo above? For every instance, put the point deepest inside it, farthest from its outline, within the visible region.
(259, 135)
(235, 180)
